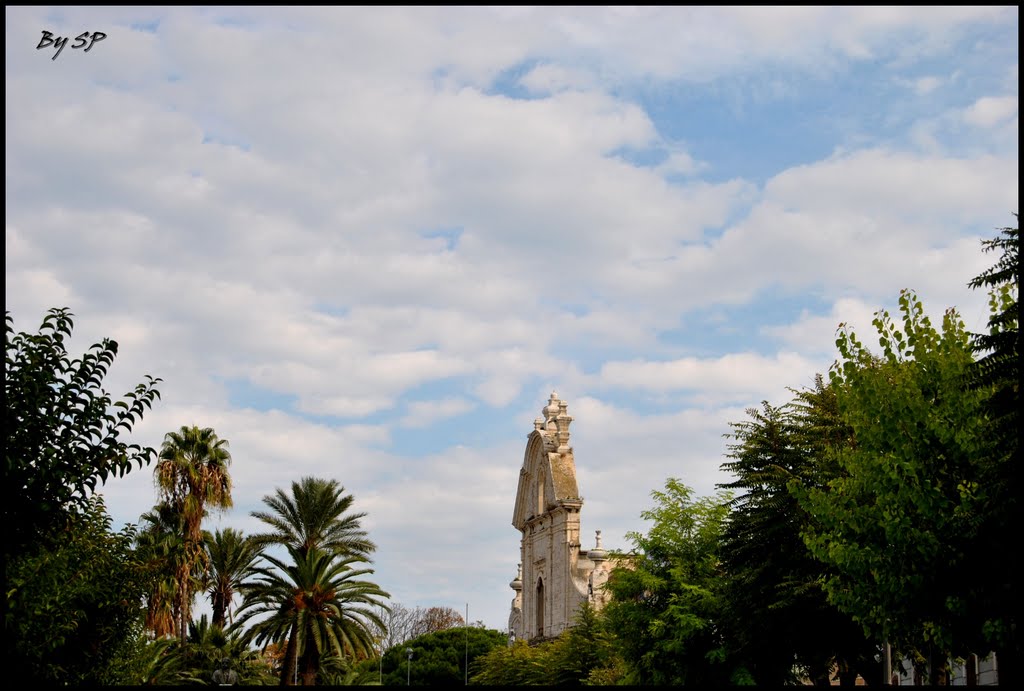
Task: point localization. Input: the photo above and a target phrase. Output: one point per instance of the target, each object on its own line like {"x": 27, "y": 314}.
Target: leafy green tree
{"x": 192, "y": 474}
{"x": 518, "y": 664}
{"x": 316, "y": 601}
{"x": 666, "y": 610}
{"x": 63, "y": 432}
{"x": 316, "y": 515}
{"x": 73, "y": 608}
{"x": 439, "y": 658}
{"x": 893, "y": 523}
{"x": 780, "y": 622}
{"x": 997, "y": 369}
{"x": 582, "y": 655}
{"x": 232, "y": 558}
{"x": 769, "y": 569}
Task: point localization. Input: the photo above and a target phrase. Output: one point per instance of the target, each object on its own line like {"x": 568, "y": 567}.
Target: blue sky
{"x": 368, "y": 243}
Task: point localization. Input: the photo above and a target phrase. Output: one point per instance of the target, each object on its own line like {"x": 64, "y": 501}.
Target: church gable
{"x": 548, "y": 475}
{"x": 556, "y": 574}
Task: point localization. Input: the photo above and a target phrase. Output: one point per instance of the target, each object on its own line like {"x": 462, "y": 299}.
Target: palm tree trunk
{"x": 184, "y": 574}
{"x": 288, "y": 668}
{"x": 310, "y": 665}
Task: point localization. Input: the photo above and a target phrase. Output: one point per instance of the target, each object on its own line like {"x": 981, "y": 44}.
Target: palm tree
{"x": 232, "y": 558}
{"x": 314, "y": 516}
{"x": 318, "y": 603}
{"x": 159, "y": 545}
{"x": 192, "y": 474}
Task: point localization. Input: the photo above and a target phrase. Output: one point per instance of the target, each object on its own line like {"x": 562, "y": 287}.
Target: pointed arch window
{"x": 540, "y": 606}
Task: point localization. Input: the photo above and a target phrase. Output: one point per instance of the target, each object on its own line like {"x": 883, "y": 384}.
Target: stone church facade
{"x": 556, "y": 573}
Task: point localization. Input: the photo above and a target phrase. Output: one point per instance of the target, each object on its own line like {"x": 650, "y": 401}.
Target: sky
{"x": 366, "y": 244}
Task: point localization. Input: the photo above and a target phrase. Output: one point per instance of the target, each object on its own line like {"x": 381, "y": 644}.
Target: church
{"x": 557, "y": 574}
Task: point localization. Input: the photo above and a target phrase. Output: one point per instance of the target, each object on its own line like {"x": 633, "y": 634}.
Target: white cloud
{"x": 991, "y": 110}
{"x": 548, "y": 79}
{"x": 747, "y": 376}
{"x": 679, "y": 163}
{"x": 925, "y": 85}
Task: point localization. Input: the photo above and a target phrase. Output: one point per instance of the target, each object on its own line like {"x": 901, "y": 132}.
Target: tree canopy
{"x": 64, "y": 433}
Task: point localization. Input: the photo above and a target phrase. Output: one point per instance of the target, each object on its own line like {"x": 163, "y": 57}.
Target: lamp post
{"x": 408, "y": 667}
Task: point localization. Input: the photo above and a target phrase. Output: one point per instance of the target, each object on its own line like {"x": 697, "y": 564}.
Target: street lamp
{"x": 408, "y": 667}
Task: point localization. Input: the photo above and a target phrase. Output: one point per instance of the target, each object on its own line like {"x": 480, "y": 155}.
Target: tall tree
{"x": 64, "y": 434}
{"x": 159, "y": 545}
{"x": 64, "y": 438}
{"x": 666, "y": 609}
{"x": 315, "y": 519}
{"x": 778, "y": 608}
{"x": 318, "y": 602}
{"x": 998, "y": 369}
{"x": 316, "y": 515}
{"x": 894, "y": 522}
{"x": 192, "y": 474}
{"x": 232, "y": 558}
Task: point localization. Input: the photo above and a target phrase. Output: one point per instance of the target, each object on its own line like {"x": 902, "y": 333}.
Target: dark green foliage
{"x": 231, "y": 558}
{"x": 208, "y": 644}
{"x": 997, "y": 592}
{"x": 770, "y": 572}
{"x": 316, "y": 514}
{"x": 74, "y": 606}
{"x": 317, "y": 602}
{"x": 63, "y": 432}
{"x": 439, "y": 658}
{"x": 314, "y": 601}
{"x": 777, "y": 608}
{"x": 160, "y": 546}
{"x": 73, "y": 592}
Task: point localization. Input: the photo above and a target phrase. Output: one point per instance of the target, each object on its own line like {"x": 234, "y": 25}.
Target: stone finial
{"x": 538, "y": 423}
{"x": 551, "y": 409}
{"x": 562, "y": 424}
{"x": 517, "y": 582}
{"x": 597, "y": 554}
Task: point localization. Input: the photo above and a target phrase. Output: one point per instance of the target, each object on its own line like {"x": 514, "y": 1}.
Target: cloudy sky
{"x": 367, "y": 243}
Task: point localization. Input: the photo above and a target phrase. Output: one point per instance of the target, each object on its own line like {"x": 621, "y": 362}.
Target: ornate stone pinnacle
{"x": 562, "y": 424}
{"x": 551, "y": 409}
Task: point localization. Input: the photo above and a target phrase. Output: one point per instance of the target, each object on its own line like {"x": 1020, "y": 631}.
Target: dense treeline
{"x": 867, "y": 515}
